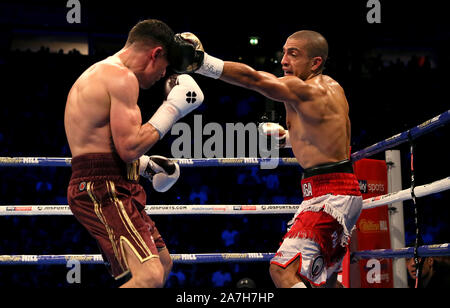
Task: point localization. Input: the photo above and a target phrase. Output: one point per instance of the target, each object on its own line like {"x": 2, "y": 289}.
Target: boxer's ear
{"x": 156, "y": 52}
{"x": 316, "y": 63}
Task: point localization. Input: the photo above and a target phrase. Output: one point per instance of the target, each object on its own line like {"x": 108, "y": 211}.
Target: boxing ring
{"x": 411, "y": 193}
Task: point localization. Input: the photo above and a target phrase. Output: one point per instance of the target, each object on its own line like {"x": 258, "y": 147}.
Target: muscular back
{"x": 319, "y": 126}
{"x": 88, "y": 107}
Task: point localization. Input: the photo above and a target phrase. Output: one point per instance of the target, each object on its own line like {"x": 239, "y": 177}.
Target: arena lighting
{"x": 253, "y": 40}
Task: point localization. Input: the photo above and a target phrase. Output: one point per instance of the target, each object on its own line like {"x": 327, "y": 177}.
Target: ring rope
{"x": 183, "y": 162}
{"x": 417, "y": 216}
{"x": 227, "y": 209}
{"x": 391, "y": 142}
{"x": 406, "y": 136}
{"x": 98, "y": 259}
{"x": 402, "y": 195}
{"x": 408, "y": 252}
{"x": 172, "y": 209}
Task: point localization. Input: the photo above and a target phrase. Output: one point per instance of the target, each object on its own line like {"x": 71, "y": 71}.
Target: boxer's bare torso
{"x": 316, "y": 112}
{"x": 316, "y": 106}
{"x": 102, "y": 114}
{"x": 319, "y": 127}
{"x": 87, "y": 115}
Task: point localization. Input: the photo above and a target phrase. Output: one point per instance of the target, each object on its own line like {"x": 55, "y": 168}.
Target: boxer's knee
{"x": 166, "y": 262}
{"x": 151, "y": 276}
{"x": 285, "y": 277}
{"x": 278, "y": 275}
{"x": 168, "y": 268}
{"x": 147, "y": 274}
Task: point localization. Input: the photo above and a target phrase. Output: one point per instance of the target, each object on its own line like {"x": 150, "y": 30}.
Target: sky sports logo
{"x": 370, "y": 188}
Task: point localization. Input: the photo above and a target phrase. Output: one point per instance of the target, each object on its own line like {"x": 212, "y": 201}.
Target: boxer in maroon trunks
{"x": 108, "y": 141}
{"x": 106, "y": 198}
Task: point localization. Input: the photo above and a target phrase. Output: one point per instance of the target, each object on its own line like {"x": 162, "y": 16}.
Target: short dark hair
{"x": 151, "y": 32}
{"x": 316, "y": 44}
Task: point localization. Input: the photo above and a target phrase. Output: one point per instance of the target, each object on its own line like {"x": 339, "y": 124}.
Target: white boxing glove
{"x": 161, "y": 171}
{"x": 274, "y": 130}
{"x": 184, "y": 97}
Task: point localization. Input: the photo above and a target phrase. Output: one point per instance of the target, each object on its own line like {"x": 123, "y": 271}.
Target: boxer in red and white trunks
{"x": 319, "y": 134}
{"x": 321, "y": 229}
{"x": 107, "y": 139}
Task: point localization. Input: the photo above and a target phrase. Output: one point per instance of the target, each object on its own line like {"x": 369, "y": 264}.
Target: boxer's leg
{"x": 164, "y": 255}
{"x": 166, "y": 261}
{"x": 287, "y": 277}
{"x": 133, "y": 235}
{"x": 147, "y": 274}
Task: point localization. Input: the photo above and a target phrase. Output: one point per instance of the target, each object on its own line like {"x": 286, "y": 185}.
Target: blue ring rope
{"x": 97, "y": 259}
{"x": 388, "y": 143}
{"x": 423, "y": 251}
{"x": 408, "y": 252}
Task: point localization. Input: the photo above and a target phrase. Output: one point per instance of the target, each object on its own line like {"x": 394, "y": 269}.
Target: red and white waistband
{"x": 331, "y": 183}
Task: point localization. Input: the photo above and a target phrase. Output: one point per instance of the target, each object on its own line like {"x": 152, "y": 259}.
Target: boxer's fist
{"x": 274, "y": 130}
{"x": 161, "y": 171}
{"x": 187, "y": 53}
{"x": 184, "y": 97}
{"x": 187, "y": 56}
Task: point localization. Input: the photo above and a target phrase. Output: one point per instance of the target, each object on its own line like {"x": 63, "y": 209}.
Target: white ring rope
{"x": 227, "y": 209}
{"x": 402, "y": 195}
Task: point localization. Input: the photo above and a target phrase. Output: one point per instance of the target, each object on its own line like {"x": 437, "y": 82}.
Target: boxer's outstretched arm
{"x": 131, "y": 138}
{"x": 284, "y": 89}
{"x": 189, "y": 49}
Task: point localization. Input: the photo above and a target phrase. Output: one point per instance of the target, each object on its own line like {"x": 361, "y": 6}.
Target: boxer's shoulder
{"x": 116, "y": 76}
{"x": 115, "y": 68}
{"x": 303, "y": 90}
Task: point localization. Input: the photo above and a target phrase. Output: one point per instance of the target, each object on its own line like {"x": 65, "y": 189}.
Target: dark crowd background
{"x": 395, "y": 75}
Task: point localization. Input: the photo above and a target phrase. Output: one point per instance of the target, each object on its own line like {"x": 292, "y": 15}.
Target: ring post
{"x": 396, "y": 220}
